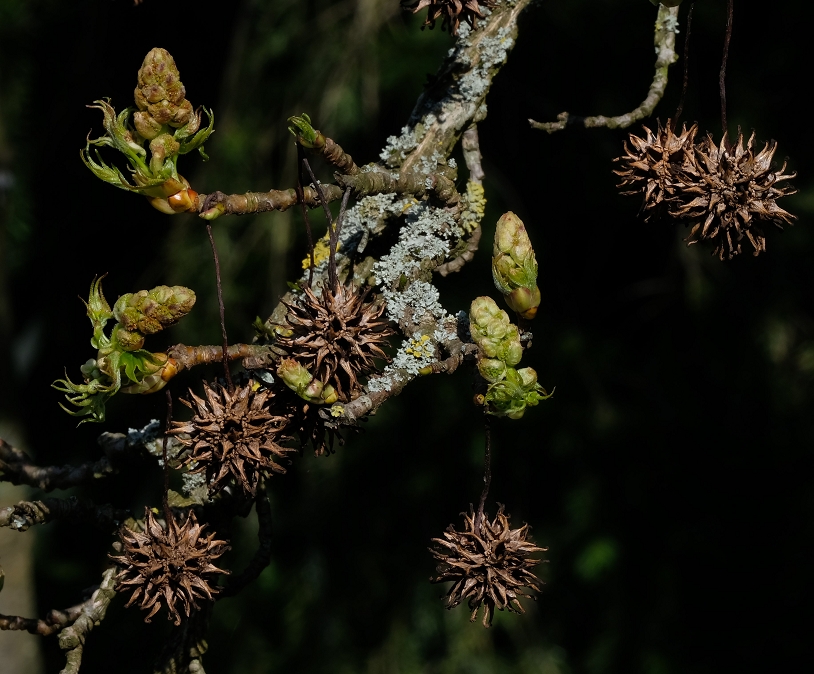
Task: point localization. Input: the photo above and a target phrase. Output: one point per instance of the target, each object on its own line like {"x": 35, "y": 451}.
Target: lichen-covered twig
{"x": 190, "y": 356}
{"x": 28, "y": 513}
{"x": 472, "y": 156}
{"x": 665, "y": 38}
{"x": 52, "y": 623}
{"x": 262, "y": 557}
{"x": 17, "y": 467}
{"x": 72, "y": 638}
{"x": 415, "y": 184}
{"x": 211, "y": 206}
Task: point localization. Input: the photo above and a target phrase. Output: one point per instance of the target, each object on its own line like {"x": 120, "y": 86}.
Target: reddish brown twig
{"x": 221, "y": 309}
{"x": 487, "y": 473}
{"x": 680, "y": 107}
{"x": 320, "y": 198}
{"x": 722, "y": 75}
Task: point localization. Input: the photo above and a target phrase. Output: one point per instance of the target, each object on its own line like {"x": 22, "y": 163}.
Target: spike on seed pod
{"x": 451, "y": 12}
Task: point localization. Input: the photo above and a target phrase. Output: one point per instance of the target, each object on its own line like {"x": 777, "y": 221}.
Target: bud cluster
{"x": 166, "y": 124}
{"x": 121, "y": 363}
{"x": 510, "y": 390}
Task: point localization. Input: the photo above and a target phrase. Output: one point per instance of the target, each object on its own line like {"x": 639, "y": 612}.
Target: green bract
{"x": 518, "y": 390}
{"x": 121, "y": 363}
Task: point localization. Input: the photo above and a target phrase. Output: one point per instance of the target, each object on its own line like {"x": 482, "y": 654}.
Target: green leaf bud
{"x": 493, "y": 332}
{"x": 306, "y": 135}
{"x": 302, "y": 382}
{"x": 127, "y": 340}
{"x": 160, "y": 92}
{"x": 514, "y": 266}
{"x": 492, "y": 369}
{"x": 150, "y": 311}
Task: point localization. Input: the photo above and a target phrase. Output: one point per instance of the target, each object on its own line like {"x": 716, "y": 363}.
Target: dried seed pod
{"x": 233, "y": 436}
{"x": 731, "y": 191}
{"x": 652, "y": 166}
{"x": 489, "y": 567}
{"x": 169, "y": 567}
{"x": 451, "y": 12}
{"x": 337, "y": 335}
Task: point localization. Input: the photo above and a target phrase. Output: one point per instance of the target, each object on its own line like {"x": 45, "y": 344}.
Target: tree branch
{"x": 72, "y": 638}
{"x": 189, "y": 356}
{"x": 53, "y": 622}
{"x": 665, "y": 38}
{"x": 17, "y": 467}
{"x": 28, "y": 513}
{"x": 211, "y": 206}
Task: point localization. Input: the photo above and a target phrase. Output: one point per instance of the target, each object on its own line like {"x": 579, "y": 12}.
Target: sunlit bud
{"x": 514, "y": 266}
{"x": 302, "y": 382}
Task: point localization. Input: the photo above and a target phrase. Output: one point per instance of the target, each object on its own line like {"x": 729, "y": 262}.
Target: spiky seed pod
{"x": 451, "y": 12}
{"x": 730, "y": 192}
{"x": 233, "y": 436}
{"x": 337, "y": 335}
{"x": 160, "y": 95}
{"x": 651, "y": 166}
{"x": 169, "y": 567}
{"x": 489, "y": 567}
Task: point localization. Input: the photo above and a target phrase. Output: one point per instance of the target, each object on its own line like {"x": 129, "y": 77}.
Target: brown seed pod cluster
{"x": 724, "y": 192}
{"x": 233, "y": 435}
{"x": 338, "y": 335}
{"x": 488, "y": 568}
{"x": 451, "y": 12}
{"x": 170, "y": 567}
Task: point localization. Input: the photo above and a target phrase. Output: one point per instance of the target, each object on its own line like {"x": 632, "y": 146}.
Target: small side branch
{"x": 351, "y": 412}
{"x": 17, "y": 467}
{"x": 53, "y": 622}
{"x": 415, "y": 184}
{"x": 262, "y": 557}
{"x": 665, "y": 38}
{"x": 28, "y": 513}
{"x": 211, "y": 206}
{"x": 468, "y": 255}
{"x": 72, "y": 639}
{"x": 337, "y": 157}
{"x": 190, "y": 356}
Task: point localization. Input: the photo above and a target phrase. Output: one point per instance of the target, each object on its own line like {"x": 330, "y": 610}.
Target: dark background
{"x": 670, "y": 474}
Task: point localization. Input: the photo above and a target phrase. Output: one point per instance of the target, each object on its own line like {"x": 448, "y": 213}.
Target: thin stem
{"x": 680, "y": 108}
{"x": 221, "y": 309}
{"x": 333, "y": 240}
{"x": 487, "y": 473}
{"x": 301, "y": 199}
{"x": 332, "y": 278}
{"x": 165, "y": 497}
{"x": 722, "y": 76}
